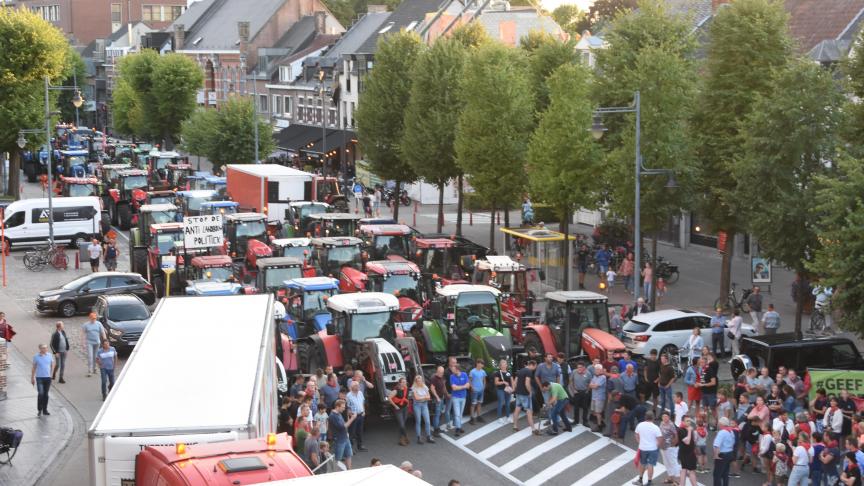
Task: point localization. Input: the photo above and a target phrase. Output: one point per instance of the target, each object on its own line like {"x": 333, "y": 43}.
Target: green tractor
{"x": 463, "y": 321}
{"x": 140, "y": 236}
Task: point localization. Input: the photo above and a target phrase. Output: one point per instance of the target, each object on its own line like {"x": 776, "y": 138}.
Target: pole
{"x": 637, "y": 266}
{"x": 48, "y": 164}
{"x": 255, "y": 108}
{"x": 75, "y": 83}
{"x": 3, "y": 241}
{"x": 323, "y": 129}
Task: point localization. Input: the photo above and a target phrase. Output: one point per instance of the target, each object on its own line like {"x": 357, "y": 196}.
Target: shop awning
{"x": 303, "y": 138}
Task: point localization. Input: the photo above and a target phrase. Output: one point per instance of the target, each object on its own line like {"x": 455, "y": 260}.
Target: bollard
{"x": 498, "y": 214}
{"x": 470, "y": 218}
{"x": 77, "y": 258}
{"x": 415, "y": 219}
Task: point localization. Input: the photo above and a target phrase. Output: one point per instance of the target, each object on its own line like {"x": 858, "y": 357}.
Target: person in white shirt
{"x": 832, "y": 422}
{"x": 801, "y": 458}
{"x": 681, "y": 408}
{"x": 782, "y": 422}
{"x": 649, "y": 437}
{"x": 734, "y": 328}
{"x": 694, "y": 346}
{"x": 94, "y": 251}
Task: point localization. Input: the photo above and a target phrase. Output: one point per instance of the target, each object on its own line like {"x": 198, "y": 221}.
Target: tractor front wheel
{"x": 124, "y": 216}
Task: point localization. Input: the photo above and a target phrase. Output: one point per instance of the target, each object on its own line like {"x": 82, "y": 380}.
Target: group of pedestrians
{"x": 107, "y": 251}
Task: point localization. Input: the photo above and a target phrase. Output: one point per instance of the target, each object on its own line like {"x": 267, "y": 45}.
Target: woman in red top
{"x": 399, "y": 400}
{"x": 760, "y": 411}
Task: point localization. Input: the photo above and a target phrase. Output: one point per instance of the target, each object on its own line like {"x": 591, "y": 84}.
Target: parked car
{"x": 796, "y": 354}
{"x": 124, "y": 318}
{"x": 669, "y": 330}
{"x": 79, "y": 295}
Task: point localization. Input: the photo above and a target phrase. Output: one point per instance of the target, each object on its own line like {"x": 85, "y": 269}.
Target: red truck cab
{"x": 250, "y": 461}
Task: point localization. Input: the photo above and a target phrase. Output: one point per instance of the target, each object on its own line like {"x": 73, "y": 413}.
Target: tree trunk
{"x": 14, "y": 187}
{"x": 653, "y": 297}
{"x": 459, "y": 206}
{"x": 440, "y": 207}
{"x": 565, "y": 228}
{"x": 506, "y": 225}
{"x": 396, "y": 201}
{"x": 492, "y": 228}
{"x": 799, "y": 303}
{"x": 726, "y": 266}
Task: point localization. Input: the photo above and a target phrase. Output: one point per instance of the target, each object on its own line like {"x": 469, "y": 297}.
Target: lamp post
{"x": 597, "y": 130}
{"x": 321, "y": 93}
{"x": 75, "y": 84}
{"x": 77, "y": 101}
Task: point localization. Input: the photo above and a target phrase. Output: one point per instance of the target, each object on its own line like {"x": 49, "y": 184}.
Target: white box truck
{"x": 203, "y": 371}
{"x": 268, "y": 187}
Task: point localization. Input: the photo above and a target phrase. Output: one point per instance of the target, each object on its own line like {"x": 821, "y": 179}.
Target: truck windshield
{"x": 81, "y": 190}
{"x": 391, "y": 245}
{"x": 475, "y": 309}
{"x": 310, "y": 209}
{"x": 365, "y": 326}
{"x": 275, "y": 276}
{"x": 162, "y": 162}
{"x": 216, "y": 274}
{"x": 343, "y": 255}
{"x": 74, "y": 160}
{"x": 405, "y": 285}
{"x": 163, "y": 216}
{"x": 165, "y": 241}
{"x": 134, "y": 182}
{"x": 301, "y": 252}
{"x": 250, "y": 229}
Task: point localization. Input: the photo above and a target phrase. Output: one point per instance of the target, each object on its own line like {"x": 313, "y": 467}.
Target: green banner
{"x": 835, "y": 380}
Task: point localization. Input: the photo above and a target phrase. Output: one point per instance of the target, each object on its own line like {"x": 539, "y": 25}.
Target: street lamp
{"x": 597, "y": 129}
{"x": 77, "y": 101}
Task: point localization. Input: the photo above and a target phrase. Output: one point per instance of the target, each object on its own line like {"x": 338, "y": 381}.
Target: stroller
{"x": 10, "y": 439}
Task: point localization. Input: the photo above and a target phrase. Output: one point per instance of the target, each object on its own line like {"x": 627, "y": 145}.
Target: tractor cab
{"x": 333, "y": 224}
{"x": 299, "y": 248}
{"x": 575, "y": 322}
{"x": 109, "y": 172}
{"x": 125, "y": 194}
{"x": 306, "y": 305}
{"x": 510, "y": 277}
{"x": 327, "y": 190}
{"x": 161, "y": 197}
{"x": 149, "y": 214}
{"x": 241, "y": 230}
{"x": 75, "y": 163}
{"x": 165, "y": 239}
{"x": 466, "y": 322}
{"x": 219, "y": 207}
{"x": 123, "y": 154}
{"x": 157, "y": 166}
{"x": 190, "y": 201}
{"x": 384, "y": 240}
{"x": 196, "y": 181}
{"x": 335, "y": 255}
{"x": 439, "y": 256}
{"x": 401, "y": 279}
{"x": 212, "y": 275}
{"x": 216, "y": 183}
{"x": 297, "y": 216}
{"x": 177, "y": 175}
{"x": 274, "y": 271}
{"x": 80, "y": 186}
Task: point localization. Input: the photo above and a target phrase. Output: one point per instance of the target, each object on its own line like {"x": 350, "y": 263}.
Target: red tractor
{"x": 385, "y": 240}
{"x": 157, "y": 167}
{"x": 299, "y": 248}
{"x": 165, "y": 239}
{"x": 576, "y": 323}
{"x": 340, "y": 257}
{"x": 439, "y": 256}
{"x": 274, "y": 271}
{"x": 126, "y": 194}
{"x": 78, "y": 187}
{"x": 402, "y": 279}
{"x": 176, "y": 175}
{"x": 511, "y": 278}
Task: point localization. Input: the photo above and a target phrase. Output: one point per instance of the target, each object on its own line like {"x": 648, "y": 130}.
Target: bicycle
{"x": 10, "y": 439}
{"x": 54, "y": 255}
{"x": 731, "y": 302}
{"x": 818, "y": 325}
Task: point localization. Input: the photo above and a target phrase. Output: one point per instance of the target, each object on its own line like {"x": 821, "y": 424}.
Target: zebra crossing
{"x": 578, "y": 458}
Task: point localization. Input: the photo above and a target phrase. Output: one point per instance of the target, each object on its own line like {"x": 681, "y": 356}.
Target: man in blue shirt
{"x": 718, "y": 329}
{"x": 724, "y": 444}
{"x": 338, "y": 427}
{"x": 477, "y": 377}
{"x": 625, "y": 360}
{"x": 40, "y": 376}
{"x": 105, "y": 358}
{"x": 602, "y": 258}
{"x": 459, "y": 384}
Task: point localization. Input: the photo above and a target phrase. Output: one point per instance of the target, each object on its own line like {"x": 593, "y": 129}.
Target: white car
{"x": 667, "y": 330}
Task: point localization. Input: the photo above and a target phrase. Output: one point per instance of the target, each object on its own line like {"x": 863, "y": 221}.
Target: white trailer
{"x": 203, "y": 371}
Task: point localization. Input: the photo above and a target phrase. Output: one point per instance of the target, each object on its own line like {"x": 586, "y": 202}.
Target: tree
{"x": 30, "y": 50}
{"x": 788, "y": 138}
{"x": 161, "y": 90}
{"x": 126, "y": 110}
{"x": 748, "y": 44}
{"x": 381, "y": 112}
{"x": 432, "y": 114}
{"x": 564, "y": 163}
{"x": 649, "y": 51}
{"x": 493, "y": 130}
{"x": 545, "y": 53}
{"x": 573, "y": 20}
{"x": 227, "y": 136}
{"x": 602, "y": 12}
{"x": 840, "y": 260}
{"x": 853, "y": 71}
{"x": 75, "y": 71}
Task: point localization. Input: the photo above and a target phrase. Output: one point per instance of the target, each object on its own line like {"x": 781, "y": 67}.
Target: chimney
{"x": 179, "y": 36}
{"x": 243, "y": 34}
{"x": 320, "y": 22}
{"x": 715, "y": 4}
{"x": 376, "y": 8}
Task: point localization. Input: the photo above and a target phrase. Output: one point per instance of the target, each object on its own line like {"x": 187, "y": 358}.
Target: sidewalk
{"x": 44, "y": 437}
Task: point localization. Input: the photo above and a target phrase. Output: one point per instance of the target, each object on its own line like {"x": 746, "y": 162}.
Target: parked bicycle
{"x": 55, "y": 255}
{"x": 667, "y": 271}
{"x": 731, "y": 302}
{"x": 10, "y": 439}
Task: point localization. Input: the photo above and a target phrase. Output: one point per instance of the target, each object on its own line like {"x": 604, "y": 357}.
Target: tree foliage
{"x": 432, "y": 114}
{"x": 470, "y": 35}
{"x": 573, "y": 20}
{"x": 545, "y": 53}
{"x": 602, "y": 12}
{"x": 75, "y": 70}
{"x": 853, "y": 71}
{"x": 493, "y": 131}
{"x": 788, "y": 141}
{"x": 380, "y": 114}
{"x": 227, "y": 135}
{"x": 160, "y": 91}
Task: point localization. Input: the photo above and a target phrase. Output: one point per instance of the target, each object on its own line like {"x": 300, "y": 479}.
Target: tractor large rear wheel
{"x": 124, "y": 216}
{"x": 310, "y": 357}
{"x": 138, "y": 261}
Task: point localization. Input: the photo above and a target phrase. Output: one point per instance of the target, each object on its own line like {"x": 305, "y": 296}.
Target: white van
{"x": 75, "y": 219}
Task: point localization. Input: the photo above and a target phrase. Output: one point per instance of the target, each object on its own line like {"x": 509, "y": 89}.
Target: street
{"x": 489, "y": 454}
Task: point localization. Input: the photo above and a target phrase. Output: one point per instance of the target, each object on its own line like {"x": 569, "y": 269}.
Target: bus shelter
{"x": 541, "y": 249}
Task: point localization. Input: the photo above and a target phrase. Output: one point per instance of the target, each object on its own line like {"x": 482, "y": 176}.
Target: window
{"x": 262, "y": 104}
{"x": 51, "y": 13}
{"x": 151, "y": 13}
{"x": 16, "y": 219}
{"x": 332, "y": 117}
{"x": 277, "y": 104}
{"x": 844, "y": 356}
{"x": 115, "y": 13}
{"x": 288, "y": 105}
{"x": 284, "y": 74}
{"x": 174, "y": 11}
{"x": 97, "y": 283}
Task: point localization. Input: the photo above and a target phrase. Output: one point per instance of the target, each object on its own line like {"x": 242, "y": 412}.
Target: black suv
{"x": 783, "y": 349}
{"x": 79, "y": 295}
{"x": 124, "y": 318}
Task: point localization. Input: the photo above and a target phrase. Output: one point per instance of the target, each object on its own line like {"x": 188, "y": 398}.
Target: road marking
{"x": 541, "y": 449}
{"x": 483, "y": 431}
{"x": 484, "y": 461}
{"x": 513, "y": 439}
{"x": 569, "y": 461}
{"x": 606, "y": 469}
